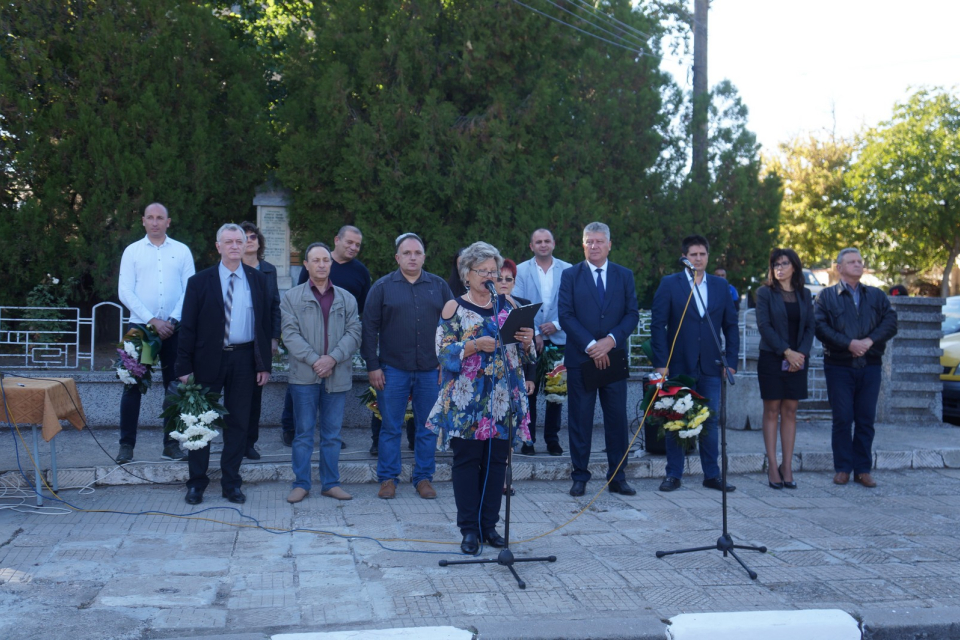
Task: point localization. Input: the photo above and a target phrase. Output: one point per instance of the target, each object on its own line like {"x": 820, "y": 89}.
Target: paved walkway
{"x": 889, "y": 556}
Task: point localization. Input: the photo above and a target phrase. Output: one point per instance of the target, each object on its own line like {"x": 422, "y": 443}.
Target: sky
{"x": 816, "y": 66}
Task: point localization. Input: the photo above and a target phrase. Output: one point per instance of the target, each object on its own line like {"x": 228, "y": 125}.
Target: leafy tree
{"x": 468, "y": 121}
{"x": 818, "y": 217}
{"x": 737, "y": 208}
{"x": 107, "y": 106}
{"x": 906, "y": 184}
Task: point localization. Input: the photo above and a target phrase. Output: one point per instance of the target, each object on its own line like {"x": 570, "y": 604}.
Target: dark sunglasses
{"x": 504, "y": 279}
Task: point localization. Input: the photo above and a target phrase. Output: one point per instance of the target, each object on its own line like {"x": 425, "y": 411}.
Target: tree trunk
{"x": 948, "y": 269}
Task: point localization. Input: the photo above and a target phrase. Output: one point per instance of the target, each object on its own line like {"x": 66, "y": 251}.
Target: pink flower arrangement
{"x": 131, "y": 365}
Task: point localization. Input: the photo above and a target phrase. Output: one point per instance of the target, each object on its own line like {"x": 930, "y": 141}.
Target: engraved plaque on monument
{"x": 272, "y": 220}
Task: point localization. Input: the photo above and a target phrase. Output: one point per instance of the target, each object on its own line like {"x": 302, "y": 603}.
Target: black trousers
{"x": 551, "y": 421}
{"x": 236, "y": 379}
{"x": 256, "y": 404}
{"x": 478, "y": 472}
{"x": 130, "y": 400}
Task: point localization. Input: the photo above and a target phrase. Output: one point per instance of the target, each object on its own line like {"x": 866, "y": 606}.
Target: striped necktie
{"x": 228, "y": 309}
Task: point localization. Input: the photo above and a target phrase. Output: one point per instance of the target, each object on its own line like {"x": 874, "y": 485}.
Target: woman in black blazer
{"x": 786, "y": 324}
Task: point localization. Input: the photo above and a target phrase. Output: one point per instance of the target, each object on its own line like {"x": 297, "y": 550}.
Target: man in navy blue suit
{"x": 598, "y": 312}
{"x": 695, "y": 353}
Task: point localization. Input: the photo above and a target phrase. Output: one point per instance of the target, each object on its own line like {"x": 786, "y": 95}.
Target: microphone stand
{"x": 505, "y": 557}
{"x": 725, "y": 542}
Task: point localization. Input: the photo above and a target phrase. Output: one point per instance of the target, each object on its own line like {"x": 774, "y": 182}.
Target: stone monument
{"x": 272, "y": 203}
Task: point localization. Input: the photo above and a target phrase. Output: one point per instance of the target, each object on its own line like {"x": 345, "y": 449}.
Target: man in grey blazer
{"x": 538, "y": 280}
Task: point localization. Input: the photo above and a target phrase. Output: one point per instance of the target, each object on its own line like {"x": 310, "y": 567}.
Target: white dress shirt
{"x": 702, "y": 288}
{"x": 546, "y": 285}
{"x": 153, "y": 279}
{"x": 241, "y": 315}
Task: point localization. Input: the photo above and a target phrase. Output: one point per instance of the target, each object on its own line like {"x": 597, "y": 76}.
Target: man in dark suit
{"x": 225, "y": 344}
{"x": 695, "y": 352}
{"x": 598, "y": 312}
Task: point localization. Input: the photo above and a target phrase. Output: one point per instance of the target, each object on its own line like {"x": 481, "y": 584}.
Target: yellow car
{"x": 950, "y": 360}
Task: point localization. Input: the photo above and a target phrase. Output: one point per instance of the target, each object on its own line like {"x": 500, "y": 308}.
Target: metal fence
{"x": 61, "y": 338}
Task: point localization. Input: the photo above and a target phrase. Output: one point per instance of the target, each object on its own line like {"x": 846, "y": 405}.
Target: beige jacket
{"x": 303, "y": 331}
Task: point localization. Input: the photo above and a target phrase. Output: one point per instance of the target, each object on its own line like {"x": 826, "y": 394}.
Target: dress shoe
{"x": 775, "y": 485}
{"x": 426, "y": 490}
{"x": 714, "y": 483}
{"x": 170, "y": 452}
{"x": 670, "y": 484}
{"x": 288, "y": 438}
{"x": 786, "y": 485}
{"x": 388, "y": 490}
{"x": 578, "y": 488}
{"x": 470, "y": 544}
{"x": 842, "y": 477}
{"x": 554, "y": 449}
{"x": 494, "y": 539}
{"x": 374, "y": 451}
{"x": 194, "y": 496}
{"x": 622, "y": 488}
{"x": 528, "y": 450}
{"x": 338, "y": 493}
{"x": 234, "y": 495}
{"x": 865, "y": 479}
{"x": 125, "y": 454}
{"x": 252, "y": 454}
{"x": 297, "y": 494}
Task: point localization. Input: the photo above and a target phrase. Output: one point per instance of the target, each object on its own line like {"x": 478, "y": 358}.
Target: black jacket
{"x": 839, "y": 322}
{"x": 774, "y": 326}
{"x": 273, "y": 293}
{"x": 200, "y": 345}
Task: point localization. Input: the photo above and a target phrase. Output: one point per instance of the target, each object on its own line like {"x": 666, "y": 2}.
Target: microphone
{"x": 687, "y": 263}
{"x": 490, "y": 287}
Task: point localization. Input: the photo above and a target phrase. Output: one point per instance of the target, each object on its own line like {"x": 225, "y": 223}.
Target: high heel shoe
{"x": 775, "y": 485}
{"x": 786, "y": 485}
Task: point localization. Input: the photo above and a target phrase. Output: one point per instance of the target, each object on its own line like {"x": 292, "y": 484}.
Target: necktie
{"x": 600, "y": 289}
{"x": 228, "y": 309}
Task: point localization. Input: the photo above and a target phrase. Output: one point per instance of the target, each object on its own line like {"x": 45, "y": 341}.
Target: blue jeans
{"x": 853, "y": 394}
{"x": 307, "y": 398}
{"x": 399, "y": 385}
{"x": 709, "y": 388}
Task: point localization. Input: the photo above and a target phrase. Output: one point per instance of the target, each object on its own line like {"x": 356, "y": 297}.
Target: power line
{"x": 567, "y": 24}
{"x": 611, "y": 19}
{"x": 579, "y": 17}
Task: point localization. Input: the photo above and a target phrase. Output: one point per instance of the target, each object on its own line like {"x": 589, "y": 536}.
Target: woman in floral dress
{"x": 479, "y": 396}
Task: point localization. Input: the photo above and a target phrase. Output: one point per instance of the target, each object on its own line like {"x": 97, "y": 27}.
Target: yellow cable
{"x": 339, "y": 535}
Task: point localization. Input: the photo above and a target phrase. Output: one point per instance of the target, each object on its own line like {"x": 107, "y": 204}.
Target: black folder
{"x": 519, "y": 318}
{"x": 619, "y": 369}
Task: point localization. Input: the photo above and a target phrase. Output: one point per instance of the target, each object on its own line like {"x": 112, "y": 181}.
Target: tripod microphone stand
{"x": 725, "y": 542}
{"x": 505, "y": 557}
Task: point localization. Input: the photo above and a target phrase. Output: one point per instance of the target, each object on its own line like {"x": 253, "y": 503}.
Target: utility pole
{"x": 701, "y": 92}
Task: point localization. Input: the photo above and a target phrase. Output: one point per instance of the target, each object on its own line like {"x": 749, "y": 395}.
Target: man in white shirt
{"x": 538, "y": 280}
{"x": 153, "y": 278}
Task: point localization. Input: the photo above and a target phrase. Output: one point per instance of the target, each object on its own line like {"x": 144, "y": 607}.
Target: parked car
{"x": 810, "y": 282}
{"x": 950, "y": 343}
{"x": 950, "y": 360}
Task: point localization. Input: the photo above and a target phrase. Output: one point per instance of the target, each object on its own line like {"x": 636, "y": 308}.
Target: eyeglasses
{"x": 504, "y": 279}
{"x": 781, "y": 265}
{"x": 485, "y": 274}
{"x": 251, "y": 237}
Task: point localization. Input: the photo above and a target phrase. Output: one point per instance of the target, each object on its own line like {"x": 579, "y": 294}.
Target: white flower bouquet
{"x": 196, "y": 411}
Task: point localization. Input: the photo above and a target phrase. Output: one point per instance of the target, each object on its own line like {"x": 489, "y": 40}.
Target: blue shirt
{"x": 241, "y": 316}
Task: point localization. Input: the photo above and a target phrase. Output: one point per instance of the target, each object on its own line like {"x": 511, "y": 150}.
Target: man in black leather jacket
{"x": 854, "y": 323}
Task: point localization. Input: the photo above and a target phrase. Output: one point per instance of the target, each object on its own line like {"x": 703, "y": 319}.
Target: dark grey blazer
{"x": 772, "y": 321}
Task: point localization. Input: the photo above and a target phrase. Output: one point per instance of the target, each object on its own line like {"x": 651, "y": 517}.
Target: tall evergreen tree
{"x": 469, "y": 121}
{"x": 107, "y": 106}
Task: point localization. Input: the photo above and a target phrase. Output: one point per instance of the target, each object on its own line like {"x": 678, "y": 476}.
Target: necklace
{"x": 475, "y": 303}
